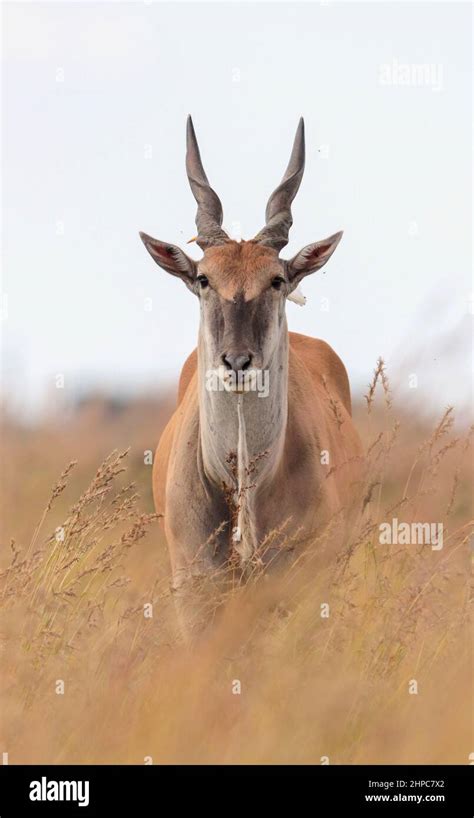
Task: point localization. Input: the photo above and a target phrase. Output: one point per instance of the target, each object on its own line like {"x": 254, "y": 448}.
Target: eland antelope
{"x": 237, "y": 460}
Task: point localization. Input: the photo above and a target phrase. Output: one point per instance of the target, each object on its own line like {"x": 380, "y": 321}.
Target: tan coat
{"x": 320, "y": 440}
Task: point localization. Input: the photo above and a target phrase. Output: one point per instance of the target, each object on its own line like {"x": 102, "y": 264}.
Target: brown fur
{"x": 214, "y": 499}
{"x": 246, "y": 267}
{"x": 319, "y": 419}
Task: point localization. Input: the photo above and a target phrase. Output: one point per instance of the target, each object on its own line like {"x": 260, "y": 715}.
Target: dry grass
{"x": 76, "y": 603}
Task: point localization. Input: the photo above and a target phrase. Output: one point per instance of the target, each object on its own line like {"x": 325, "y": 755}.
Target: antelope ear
{"x": 171, "y": 259}
{"x": 312, "y": 258}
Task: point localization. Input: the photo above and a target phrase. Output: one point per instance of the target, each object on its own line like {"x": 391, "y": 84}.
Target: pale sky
{"x": 95, "y": 98}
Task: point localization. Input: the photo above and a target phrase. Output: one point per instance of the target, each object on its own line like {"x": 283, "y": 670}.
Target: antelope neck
{"x": 226, "y": 417}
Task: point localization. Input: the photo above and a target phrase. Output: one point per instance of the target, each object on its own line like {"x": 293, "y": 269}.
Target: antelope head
{"x": 242, "y": 286}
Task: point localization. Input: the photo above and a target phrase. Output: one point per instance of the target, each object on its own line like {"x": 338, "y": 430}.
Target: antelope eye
{"x": 203, "y": 282}
{"x": 277, "y": 283}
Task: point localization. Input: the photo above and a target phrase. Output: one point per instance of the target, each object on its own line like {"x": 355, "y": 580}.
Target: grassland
{"x": 86, "y": 601}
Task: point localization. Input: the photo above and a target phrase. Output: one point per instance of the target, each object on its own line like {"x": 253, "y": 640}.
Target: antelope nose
{"x": 237, "y": 363}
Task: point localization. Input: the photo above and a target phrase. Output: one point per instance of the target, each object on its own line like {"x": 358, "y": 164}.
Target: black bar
{"x": 142, "y": 790}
